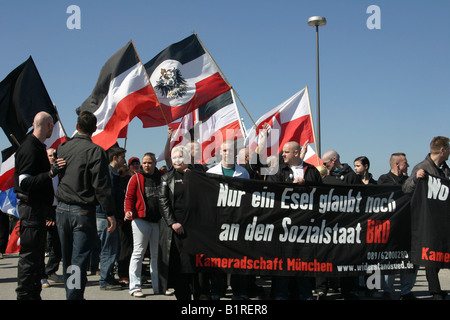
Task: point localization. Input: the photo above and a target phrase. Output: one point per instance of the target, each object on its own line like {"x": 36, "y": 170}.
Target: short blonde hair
{"x": 181, "y": 149}
{"x": 437, "y": 143}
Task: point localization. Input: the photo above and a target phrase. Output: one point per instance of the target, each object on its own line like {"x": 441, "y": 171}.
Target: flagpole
{"x": 244, "y": 131}
{"x": 60, "y": 123}
{"x": 148, "y": 78}
{"x": 312, "y": 124}
{"x": 225, "y": 78}
{"x": 15, "y": 140}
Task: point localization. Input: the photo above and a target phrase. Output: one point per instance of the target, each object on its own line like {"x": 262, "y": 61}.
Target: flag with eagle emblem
{"x": 184, "y": 78}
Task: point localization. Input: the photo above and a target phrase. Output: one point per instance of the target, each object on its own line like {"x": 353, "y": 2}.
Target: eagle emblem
{"x": 171, "y": 83}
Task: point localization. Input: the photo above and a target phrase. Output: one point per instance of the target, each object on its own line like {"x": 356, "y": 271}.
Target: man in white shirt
{"x": 229, "y": 167}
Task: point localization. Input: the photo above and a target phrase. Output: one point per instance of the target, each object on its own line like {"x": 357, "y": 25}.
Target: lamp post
{"x": 317, "y": 21}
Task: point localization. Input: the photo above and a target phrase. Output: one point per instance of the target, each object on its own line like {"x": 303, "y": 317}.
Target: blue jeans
{"x": 77, "y": 233}
{"x": 407, "y": 282}
{"x": 109, "y": 250}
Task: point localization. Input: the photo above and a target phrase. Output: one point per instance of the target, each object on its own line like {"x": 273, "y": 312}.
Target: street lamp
{"x": 317, "y": 21}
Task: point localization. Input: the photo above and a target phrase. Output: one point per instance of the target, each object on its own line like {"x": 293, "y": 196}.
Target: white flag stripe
{"x": 218, "y": 120}
{"x": 8, "y": 164}
{"x": 57, "y": 134}
{"x": 120, "y": 87}
{"x": 290, "y": 113}
{"x": 291, "y": 110}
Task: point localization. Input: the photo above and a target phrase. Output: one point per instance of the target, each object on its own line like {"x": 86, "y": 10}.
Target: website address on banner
{"x": 378, "y": 266}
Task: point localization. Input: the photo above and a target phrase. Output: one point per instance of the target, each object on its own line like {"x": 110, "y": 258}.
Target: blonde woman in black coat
{"x": 171, "y": 200}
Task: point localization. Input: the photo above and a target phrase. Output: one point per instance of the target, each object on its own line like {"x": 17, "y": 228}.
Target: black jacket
{"x": 31, "y": 161}
{"x": 86, "y": 179}
{"x": 342, "y": 177}
{"x": 285, "y": 174}
{"x": 390, "y": 178}
{"x": 430, "y": 168}
{"x": 166, "y": 204}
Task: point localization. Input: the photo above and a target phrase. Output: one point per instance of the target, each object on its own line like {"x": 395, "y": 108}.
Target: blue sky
{"x": 382, "y": 91}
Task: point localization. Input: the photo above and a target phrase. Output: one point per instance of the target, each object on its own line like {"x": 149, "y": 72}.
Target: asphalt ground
{"x": 8, "y": 284}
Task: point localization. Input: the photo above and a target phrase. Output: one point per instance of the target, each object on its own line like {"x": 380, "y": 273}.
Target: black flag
{"x": 22, "y": 96}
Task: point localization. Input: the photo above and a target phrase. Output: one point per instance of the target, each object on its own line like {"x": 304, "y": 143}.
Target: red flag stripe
{"x": 206, "y": 90}
{"x": 14, "y": 240}
{"x": 125, "y": 110}
{"x": 7, "y": 180}
{"x": 211, "y": 146}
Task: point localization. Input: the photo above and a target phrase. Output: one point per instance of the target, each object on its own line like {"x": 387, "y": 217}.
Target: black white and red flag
{"x": 185, "y": 78}
{"x": 210, "y": 125}
{"x": 122, "y": 92}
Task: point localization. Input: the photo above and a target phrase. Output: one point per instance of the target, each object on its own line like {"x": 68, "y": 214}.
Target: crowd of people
{"x": 110, "y": 214}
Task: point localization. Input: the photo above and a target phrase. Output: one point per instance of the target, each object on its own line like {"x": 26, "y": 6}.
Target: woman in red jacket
{"x": 142, "y": 207}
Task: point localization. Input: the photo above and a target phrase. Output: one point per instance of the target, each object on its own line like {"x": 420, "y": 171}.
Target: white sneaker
{"x": 137, "y": 294}
{"x": 44, "y": 283}
{"x": 169, "y": 292}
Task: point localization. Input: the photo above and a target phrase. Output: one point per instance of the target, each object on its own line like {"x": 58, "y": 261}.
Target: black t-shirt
{"x": 151, "y": 185}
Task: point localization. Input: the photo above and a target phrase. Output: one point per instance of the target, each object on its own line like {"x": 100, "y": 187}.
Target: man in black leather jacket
{"x": 84, "y": 184}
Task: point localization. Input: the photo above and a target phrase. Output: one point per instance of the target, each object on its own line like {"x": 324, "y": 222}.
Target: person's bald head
{"x": 291, "y": 153}
{"x": 43, "y": 125}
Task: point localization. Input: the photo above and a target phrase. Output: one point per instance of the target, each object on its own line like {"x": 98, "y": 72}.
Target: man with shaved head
{"x": 339, "y": 174}
{"x": 33, "y": 187}
{"x": 294, "y": 170}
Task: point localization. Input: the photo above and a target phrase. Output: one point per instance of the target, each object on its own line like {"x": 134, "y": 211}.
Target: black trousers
{"x": 54, "y": 252}
{"x": 32, "y": 250}
{"x": 183, "y": 283}
{"x": 432, "y": 275}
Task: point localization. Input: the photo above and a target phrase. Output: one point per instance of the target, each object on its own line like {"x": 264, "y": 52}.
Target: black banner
{"x": 430, "y": 214}
{"x": 254, "y": 227}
